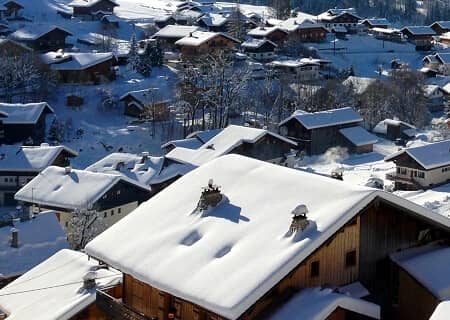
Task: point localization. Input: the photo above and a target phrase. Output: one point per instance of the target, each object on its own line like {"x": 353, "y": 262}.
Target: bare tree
{"x": 84, "y": 226}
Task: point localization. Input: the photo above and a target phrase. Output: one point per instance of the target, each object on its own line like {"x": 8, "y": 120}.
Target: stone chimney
{"x": 67, "y": 169}
{"x": 89, "y": 280}
{"x": 299, "y": 219}
{"x": 14, "y": 238}
{"x": 210, "y": 197}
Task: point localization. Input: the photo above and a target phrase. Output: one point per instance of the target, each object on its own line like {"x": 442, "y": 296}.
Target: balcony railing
{"x": 403, "y": 179}
{"x": 115, "y": 309}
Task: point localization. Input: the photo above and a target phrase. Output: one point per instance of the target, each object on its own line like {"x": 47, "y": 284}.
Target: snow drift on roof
{"x": 358, "y": 136}
{"x": 223, "y": 143}
{"x": 77, "y": 189}
{"x": 429, "y": 266}
{"x": 63, "y": 272}
{"x": 28, "y": 113}
{"x": 39, "y": 238}
{"x": 442, "y": 311}
{"x": 30, "y": 158}
{"x": 318, "y": 304}
{"x": 325, "y": 118}
{"x": 219, "y": 248}
{"x": 429, "y": 156}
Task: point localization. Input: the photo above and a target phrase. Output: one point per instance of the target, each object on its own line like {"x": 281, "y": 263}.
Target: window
{"x": 118, "y": 192}
{"x": 119, "y": 210}
{"x": 112, "y": 212}
{"x": 350, "y": 258}
{"x": 105, "y": 214}
{"x": 314, "y": 269}
{"x": 421, "y": 174}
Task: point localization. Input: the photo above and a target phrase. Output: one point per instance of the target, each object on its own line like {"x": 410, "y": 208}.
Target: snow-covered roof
{"x": 339, "y": 29}
{"x": 83, "y": 60}
{"x": 204, "y": 135}
{"x": 327, "y": 118}
{"x": 223, "y": 143}
{"x": 430, "y": 89}
{"x": 376, "y": 21}
{"x": 256, "y": 43}
{"x": 54, "y": 288}
{"x": 419, "y": 30}
{"x": 385, "y": 30}
{"x": 381, "y": 126}
{"x": 443, "y": 57}
{"x": 143, "y": 169}
{"x": 429, "y": 266}
{"x": 34, "y": 32}
{"x": 218, "y": 247}
{"x": 359, "y": 84}
{"x": 77, "y": 189}
{"x": 429, "y": 156}
{"x": 196, "y": 38}
{"x": 332, "y": 14}
{"x": 175, "y": 31}
{"x": 214, "y": 19}
{"x": 296, "y": 23}
{"x": 111, "y": 18}
{"x": 319, "y": 304}
{"x": 28, "y": 113}
{"x": 442, "y": 311}
{"x": 89, "y": 3}
{"x": 188, "y": 143}
{"x": 264, "y": 31}
{"x": 146, "y": 96}
{"x": 442, "y": 24}
{"x": 30, "y": 158}
{"x": 39, "y": 238}
{"x": 358, "y": 136}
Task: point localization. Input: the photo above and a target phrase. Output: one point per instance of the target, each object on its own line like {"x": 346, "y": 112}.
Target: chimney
{"x": 44, "y": 144}
{"x": 67, "y": 170}
{"x": 89, "y": 280}
{"x": 210, "y": 197}
{"x": 190, "y": 34}
{"x": 299, "y": 219}
{"x": 145, "y": 156}
{"x": 14, "y": 238}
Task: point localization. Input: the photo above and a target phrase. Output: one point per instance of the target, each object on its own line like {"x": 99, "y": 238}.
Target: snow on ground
{"x": 365, "y": 53}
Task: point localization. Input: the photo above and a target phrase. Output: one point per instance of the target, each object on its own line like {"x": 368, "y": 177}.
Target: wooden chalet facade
{"x": 22, "y": 122}
{"x": 421, "y": 167}
{"x": 334, "y": 18}
{"x": 259, "y": 49}
{"x": 275, "y": 34}
{"x": 42, "y": 39}
{"x": 143, "y": 104}
{"x": 421, "y": 36}
{"x": 199, "y": 44}
{"x": 440, "y": 27}
{"x": 93, "y": 9}
{"x": 308, "y": 32}
{"x": 171, "y": 33}
{"x": 12, "y": 9}
{"x": 318, "y": 139}
{"x": 357, "y": 251}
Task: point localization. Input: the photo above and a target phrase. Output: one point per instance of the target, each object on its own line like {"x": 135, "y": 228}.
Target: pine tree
{"x": 133, "y": 55}
{"x": 145, "y": 61}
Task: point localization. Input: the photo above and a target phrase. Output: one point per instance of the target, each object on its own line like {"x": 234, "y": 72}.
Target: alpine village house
{"x": 214, "y": 271}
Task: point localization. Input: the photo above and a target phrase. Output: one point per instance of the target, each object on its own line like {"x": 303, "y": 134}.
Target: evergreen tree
{"x": 133, "y": 55}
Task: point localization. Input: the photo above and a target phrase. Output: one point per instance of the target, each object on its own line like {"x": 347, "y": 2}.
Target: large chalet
{"x": 20, "y": 164}
{"x": 200, "y": 43}
{"x": 344, "y": 18}
{"x": 23, "y": 122}
{"x": 319, "y": 131}
{"x": 421, "y": 167}
{"x": 202, "y": 260}
{"x": 92, "y": 9}
{"x": 421, "y": 36}
{"x": 42, "y": 37}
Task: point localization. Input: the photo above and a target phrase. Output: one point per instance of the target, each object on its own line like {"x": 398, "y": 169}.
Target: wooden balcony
{"x": 115, "y": 309}
{"x": 406, "y": 181}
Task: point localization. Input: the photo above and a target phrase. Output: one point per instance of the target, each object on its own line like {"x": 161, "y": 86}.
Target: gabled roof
{"x": 381, "y": 126}
{"x": 430, "y": 89}
{"x": 264, "y": 31}
{"x": 223, "y": 143}
{"x": 28, "y": 113}
{"x": 196, "y": 38}
{"x": 54, "y": 288}
{"x": 443, "y": 57}
{"x": 142, "y": 169}
{"x": 15, "y": 158}
{"x": 214, "y": 19}
{"x": 6, "y": 2}
{"x": 34, "y": 32}
{"x": 214, "y": 260}
{"x": 39, "y": 238}
{"x": 77, "y": 189}
{"x": 327, "y": 118}
{"x": 332, "y": 14}
{"x": 376, "y": 21}
{"x": 319, "y": 303}
{"x": 82, "y": 61}
{"x": 175, "y": 31}
{"x": 442, "y": 24}
{"x": 257, "y": 43}
{"x": 429, "y": 266}
{"x": 429, "y": 156}
{"x": 145, "y": 97}
{"x": 205, "y": 135}
{"x": 419, "y": 30}
{"x": 194, "y": 140}
{"x": 90, "y": 3}
{"x": 358, "y": 136}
